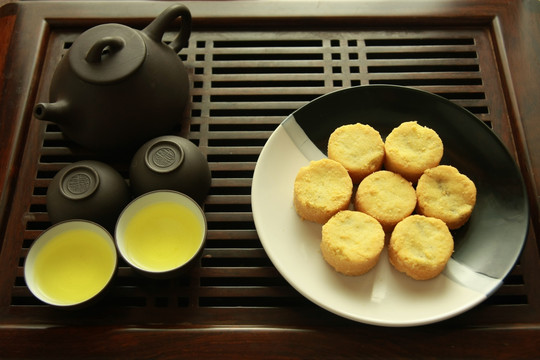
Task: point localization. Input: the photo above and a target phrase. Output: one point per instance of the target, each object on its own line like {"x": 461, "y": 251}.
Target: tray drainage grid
{"x": 243, "y": 85}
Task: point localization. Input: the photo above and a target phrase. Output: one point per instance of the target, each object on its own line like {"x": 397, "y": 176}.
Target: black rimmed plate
{"x": 486, "y": 248}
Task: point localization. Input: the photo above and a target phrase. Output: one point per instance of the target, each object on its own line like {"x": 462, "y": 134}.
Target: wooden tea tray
{"x": 252, "y": 63}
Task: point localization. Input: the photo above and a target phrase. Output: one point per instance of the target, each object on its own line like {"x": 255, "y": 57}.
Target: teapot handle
{"x": 156, "y": 28}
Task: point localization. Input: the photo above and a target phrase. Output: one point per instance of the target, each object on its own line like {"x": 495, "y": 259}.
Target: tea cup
{"x": 71, "y": 264}
{"x": 89, "y": 190}
{"x": 161, "y": 234}
{"x": 170, "y": 163}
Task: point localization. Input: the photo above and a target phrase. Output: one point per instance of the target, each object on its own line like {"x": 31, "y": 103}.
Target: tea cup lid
{"x": 79, "y": 182}
{"x": 164, "y": 156}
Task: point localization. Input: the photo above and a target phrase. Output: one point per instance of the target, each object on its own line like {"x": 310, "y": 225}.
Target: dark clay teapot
{"x": 118, "y": 87}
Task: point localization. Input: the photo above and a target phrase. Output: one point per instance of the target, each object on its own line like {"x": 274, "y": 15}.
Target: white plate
{"x": 484, "y": 253}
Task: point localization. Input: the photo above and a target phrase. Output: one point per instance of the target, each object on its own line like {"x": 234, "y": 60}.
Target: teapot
{"x": 118, "y": 87}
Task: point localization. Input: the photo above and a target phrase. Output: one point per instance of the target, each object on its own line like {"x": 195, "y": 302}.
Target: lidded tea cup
{"x": 89, "y": 190}
{"x": 170, "y": 163}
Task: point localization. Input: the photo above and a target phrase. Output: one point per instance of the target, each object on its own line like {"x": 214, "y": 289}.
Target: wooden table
{"x": 251, "y": 64}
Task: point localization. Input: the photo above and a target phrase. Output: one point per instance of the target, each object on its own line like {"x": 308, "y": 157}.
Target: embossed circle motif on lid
{"x": 79, "y": 182}
{"x": 164, "y": 156}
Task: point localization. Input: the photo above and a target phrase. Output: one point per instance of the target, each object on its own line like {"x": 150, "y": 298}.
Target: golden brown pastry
{"x": 352, "y": 242}
{"x": 321, "y": 189}
{"x": 411, "y": 148}
{"x": 386, "y": 196}
{"x": 420, "y": 246}
{"x": 359, "y": 148}
{"x": 443, "y": 192}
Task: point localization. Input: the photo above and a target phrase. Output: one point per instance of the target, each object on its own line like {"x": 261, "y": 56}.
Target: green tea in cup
{"x": 70, "y": 263}
{"x": 161, "y": 232}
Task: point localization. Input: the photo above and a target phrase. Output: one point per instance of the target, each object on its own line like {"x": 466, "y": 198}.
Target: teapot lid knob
{"x": 107, "y": 53}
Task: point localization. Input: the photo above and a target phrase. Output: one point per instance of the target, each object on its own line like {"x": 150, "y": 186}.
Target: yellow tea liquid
{"x": 74, "y": 266}
{"x": 162, "y": 236}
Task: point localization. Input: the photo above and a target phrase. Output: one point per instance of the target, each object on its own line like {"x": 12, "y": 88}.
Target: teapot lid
{"x": 107, "y": 53}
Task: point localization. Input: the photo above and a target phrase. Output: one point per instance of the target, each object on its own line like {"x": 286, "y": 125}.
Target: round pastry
{"x": 420, "y": 246}
{"x": 443, "y": 192}
{"x": 411, "y": 148}
{"x": 352, "y": 242}
{"x": 321, "y": 189}
{"x": 386, "y": 196}
{"x": 359, "y": 148}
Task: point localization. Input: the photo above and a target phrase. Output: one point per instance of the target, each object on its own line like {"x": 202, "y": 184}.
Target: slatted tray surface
{"x": 244, "y": 83}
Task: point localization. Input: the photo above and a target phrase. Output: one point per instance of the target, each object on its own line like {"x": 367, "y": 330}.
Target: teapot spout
{"x": 54, "y": 112}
